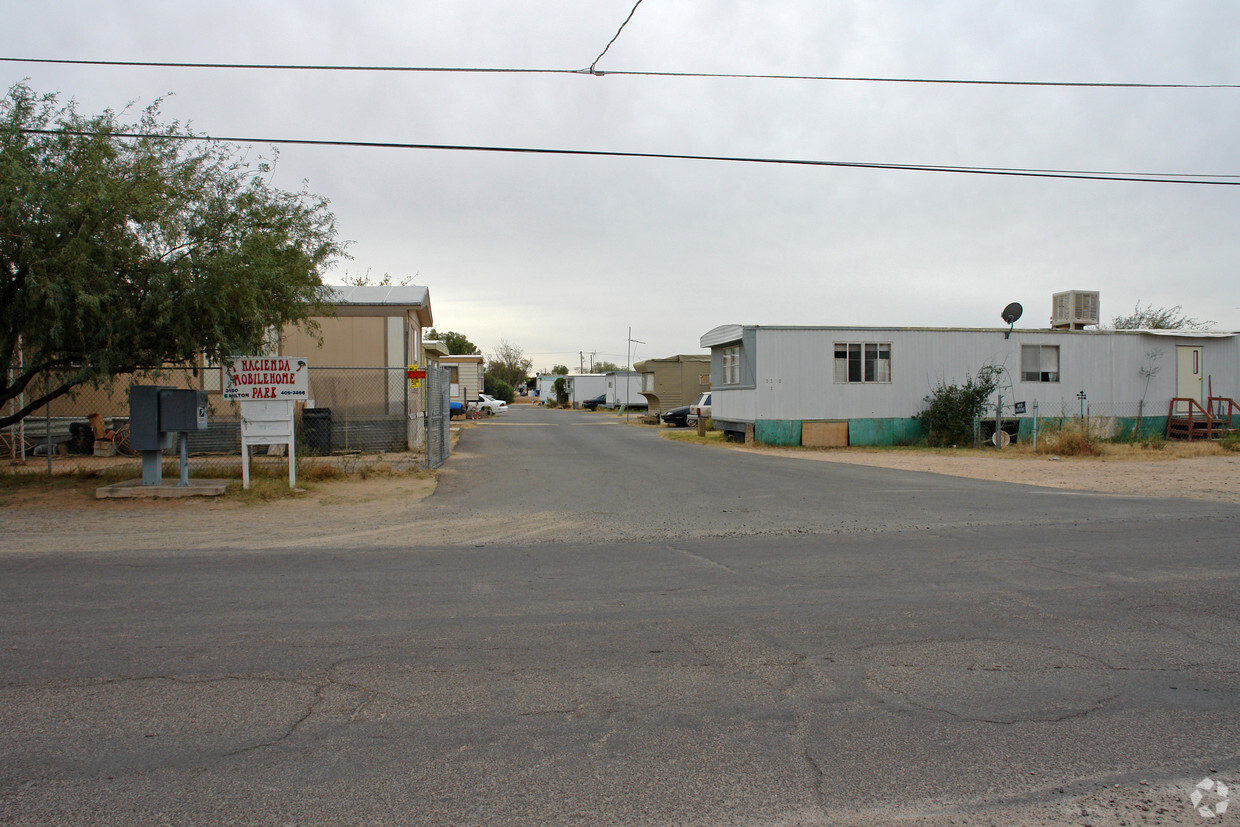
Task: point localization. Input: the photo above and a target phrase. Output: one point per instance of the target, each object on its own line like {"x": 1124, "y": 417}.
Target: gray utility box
{"x": 156, "y": 413}
{"x": 182, "y": 410}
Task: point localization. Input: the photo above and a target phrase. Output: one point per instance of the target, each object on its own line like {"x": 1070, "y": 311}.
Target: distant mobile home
{"x": 580, "y": 386}
{"x": 624, "y": 388}
{"x": 465, "y": 375}
{"x": 866, "y": 385}
{"x": 544, "y": 386}
{"x": 583, "y": 386}
{"x": 673, "y": 381}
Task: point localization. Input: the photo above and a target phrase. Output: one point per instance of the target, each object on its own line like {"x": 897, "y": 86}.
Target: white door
{"x": 1188, "y": 375}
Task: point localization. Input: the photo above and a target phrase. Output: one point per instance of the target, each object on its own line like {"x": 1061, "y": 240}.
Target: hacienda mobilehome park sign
{"x": 267, "y": 388}
{"x": 274, "y": 377}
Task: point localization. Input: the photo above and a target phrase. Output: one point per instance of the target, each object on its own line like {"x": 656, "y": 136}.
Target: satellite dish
{"x": 1010, "y": 314}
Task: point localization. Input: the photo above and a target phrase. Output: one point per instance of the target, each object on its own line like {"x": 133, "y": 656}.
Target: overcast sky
{"x": 562, "y": 254}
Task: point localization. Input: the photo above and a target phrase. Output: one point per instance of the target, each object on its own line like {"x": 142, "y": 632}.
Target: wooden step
{"x": 1198, "y": 428}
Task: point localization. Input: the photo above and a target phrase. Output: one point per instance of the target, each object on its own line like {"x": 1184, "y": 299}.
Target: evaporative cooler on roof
{"x": 1074, "y": 309}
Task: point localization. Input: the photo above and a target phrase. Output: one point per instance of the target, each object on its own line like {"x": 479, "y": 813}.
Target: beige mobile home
{"x": 466, "y": 372}
{"x": 674, "y": 380}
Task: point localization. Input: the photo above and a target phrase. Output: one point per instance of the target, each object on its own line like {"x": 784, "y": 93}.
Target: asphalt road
{"x": 700, "y": 637}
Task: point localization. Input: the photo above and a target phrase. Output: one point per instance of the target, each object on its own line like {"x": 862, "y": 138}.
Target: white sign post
{"x": 267, "y": 387}
{"x": 267, "y": 423}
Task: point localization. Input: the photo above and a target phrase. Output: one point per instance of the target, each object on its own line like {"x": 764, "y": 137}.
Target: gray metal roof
{"x": 409, "y": 295}
{"x": 728, "y": 333}
{"x": 1198, "y": 334}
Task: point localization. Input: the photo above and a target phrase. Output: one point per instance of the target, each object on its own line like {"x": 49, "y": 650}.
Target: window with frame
{"x": 731, "y": 365}
{"x": 1039, "y": 363}
{"x": 862, "y": 362}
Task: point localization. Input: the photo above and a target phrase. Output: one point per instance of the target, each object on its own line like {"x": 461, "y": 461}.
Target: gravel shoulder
{"x": 1172, "y": 472}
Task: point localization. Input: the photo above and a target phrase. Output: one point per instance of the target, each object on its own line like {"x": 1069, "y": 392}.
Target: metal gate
{"x": 438, "y": 416}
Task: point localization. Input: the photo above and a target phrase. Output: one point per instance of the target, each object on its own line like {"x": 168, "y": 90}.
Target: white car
{"x": 488, "y": 405}
{"x": 698, "y": 409}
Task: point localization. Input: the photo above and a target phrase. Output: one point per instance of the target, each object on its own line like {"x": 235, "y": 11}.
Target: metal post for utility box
{"x": 184, "y": 439}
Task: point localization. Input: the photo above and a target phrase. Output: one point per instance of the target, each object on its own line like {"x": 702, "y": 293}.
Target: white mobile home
{"x": 866, "y": 385}
{"x": 580, "y": 386}
{"x": 583, "y": 386}
{"x": 544, "y": 386}
{"x": 624, "y": 387}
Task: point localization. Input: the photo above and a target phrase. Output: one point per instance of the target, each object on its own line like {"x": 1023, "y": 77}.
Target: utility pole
{"x": 581, "y": 362}
{"x": 628, "y": 370}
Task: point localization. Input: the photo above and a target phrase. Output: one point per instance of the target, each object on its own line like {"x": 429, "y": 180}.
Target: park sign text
{"x": 266, "y": 377}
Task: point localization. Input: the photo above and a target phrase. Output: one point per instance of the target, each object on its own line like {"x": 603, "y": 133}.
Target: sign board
{"x": 266, "y": 377}
{"x": 1020, "y": 407}
{"x": 415, "y": 376}
{"x": 267, "y": 419}
{"x": 267, "y": 423}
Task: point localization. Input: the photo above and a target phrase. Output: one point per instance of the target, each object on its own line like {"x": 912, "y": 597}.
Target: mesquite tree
{"x": 128, "y": 247}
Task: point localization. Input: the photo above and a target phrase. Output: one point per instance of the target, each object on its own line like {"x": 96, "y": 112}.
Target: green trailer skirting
{"x": 893, "y": 431}
{"x": 1152, "y": 427}
{"x": 777, "y": 431}
{"x": 907, "y": 430}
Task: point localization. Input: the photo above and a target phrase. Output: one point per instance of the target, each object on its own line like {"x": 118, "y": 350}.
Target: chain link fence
{"x": 351, "y": 412}
{"x": 438, "y": 416}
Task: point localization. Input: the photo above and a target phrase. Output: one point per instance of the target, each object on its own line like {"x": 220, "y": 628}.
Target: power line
{"x": 615, "y": 36}
{"x": 592, "y": 71}
{"x": 946, "y": 81}
{"x": 1084, "y": 175}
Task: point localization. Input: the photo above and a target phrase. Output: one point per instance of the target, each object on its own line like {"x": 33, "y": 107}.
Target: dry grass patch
{"x": 691, "y": 435}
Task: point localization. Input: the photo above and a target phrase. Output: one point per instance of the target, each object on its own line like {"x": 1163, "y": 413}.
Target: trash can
{"x": 316, "y": 430}
{"x": 81, "y": 438}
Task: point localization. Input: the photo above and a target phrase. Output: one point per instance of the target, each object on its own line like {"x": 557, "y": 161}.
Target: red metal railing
{"x": 1191, "y": 422}
{"x": 1215, "y": 406}
{"x": 1188, "y": 421}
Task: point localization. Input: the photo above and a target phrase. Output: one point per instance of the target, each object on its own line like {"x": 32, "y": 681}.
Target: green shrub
{"x": 561, "y": 392}
{"x": 1231, "y": 442}
{"x": 951, "y": 410}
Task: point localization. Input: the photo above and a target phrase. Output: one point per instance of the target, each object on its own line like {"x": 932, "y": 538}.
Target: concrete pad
{"x": 167, "y": 490}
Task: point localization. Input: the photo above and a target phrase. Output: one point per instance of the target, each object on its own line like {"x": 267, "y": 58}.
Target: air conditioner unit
{"x": 1073, "y": 309}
